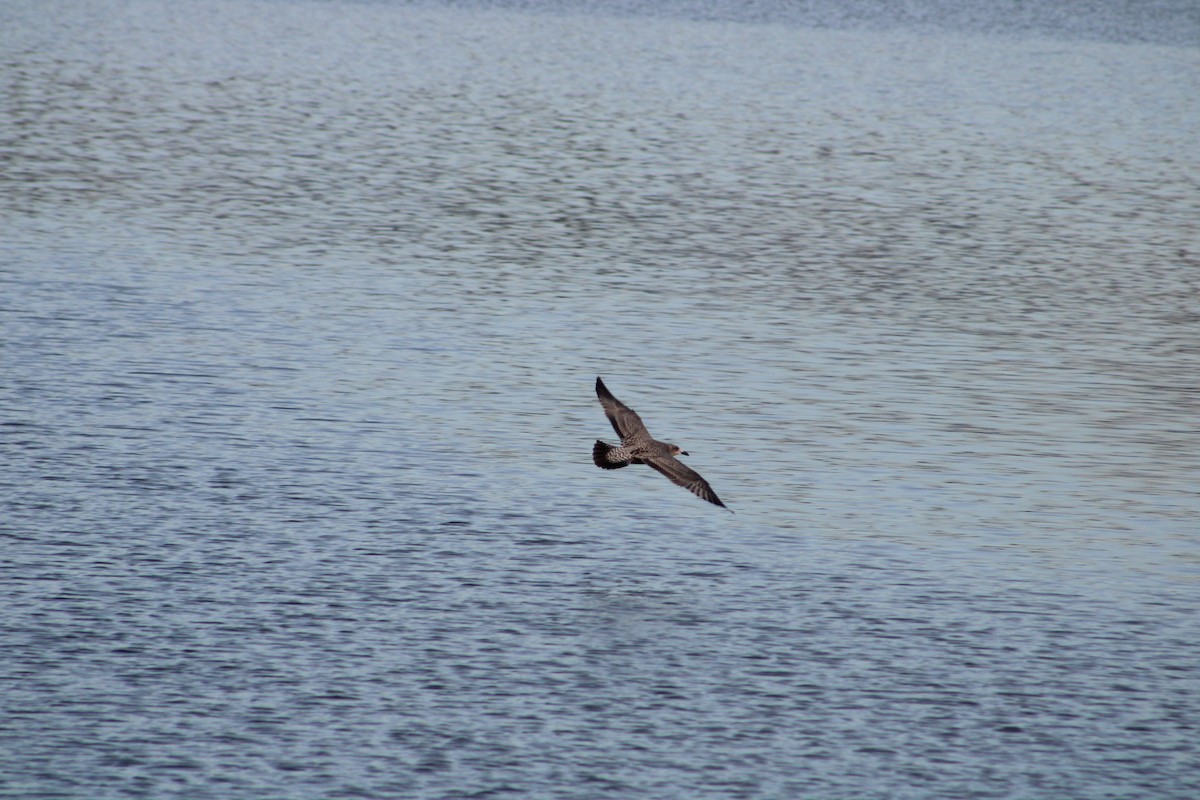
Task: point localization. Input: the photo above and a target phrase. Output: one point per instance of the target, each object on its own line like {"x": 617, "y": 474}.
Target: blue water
{"x": 302, "y": 307}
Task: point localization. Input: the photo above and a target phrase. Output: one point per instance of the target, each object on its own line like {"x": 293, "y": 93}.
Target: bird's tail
{"x": 605, "y": 458}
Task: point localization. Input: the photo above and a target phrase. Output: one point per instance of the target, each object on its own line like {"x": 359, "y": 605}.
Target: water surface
{"x": 302, "y": 308}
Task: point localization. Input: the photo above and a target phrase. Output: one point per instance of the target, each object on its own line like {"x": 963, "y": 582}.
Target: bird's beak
{"x": 684, "y": 453}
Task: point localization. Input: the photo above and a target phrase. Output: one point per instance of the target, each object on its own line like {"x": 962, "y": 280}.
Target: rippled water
{"x": 302, "y": 307}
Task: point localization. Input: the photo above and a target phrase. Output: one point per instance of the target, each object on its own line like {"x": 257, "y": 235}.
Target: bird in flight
{"x": 638, "y": 447}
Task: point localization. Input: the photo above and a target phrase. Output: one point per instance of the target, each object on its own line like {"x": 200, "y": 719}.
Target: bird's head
{"x": 676, "y": 450}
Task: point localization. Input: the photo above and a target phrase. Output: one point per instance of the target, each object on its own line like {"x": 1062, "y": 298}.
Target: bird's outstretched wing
{"x": 681, "y": 474}
{"x": 625, "y": 421}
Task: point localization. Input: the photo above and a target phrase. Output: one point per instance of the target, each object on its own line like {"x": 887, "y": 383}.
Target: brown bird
{"x": 638, "y": 447}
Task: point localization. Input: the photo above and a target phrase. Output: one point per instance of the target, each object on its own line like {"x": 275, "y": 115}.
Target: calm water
{"x": 302, "y": 306}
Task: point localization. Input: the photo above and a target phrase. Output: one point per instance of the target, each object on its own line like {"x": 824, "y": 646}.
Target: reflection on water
{"x": 301, "y": 316}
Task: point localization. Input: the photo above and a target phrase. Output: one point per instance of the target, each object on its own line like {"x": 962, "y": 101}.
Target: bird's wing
{"x": 625, "y": 421}
{"x": 681, "y": 474}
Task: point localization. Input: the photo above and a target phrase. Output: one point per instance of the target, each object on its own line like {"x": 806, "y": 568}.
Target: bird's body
{"x": 639, "y": 447}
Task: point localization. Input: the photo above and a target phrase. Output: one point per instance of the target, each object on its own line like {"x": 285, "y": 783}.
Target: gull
{"x": 638, "y": 447}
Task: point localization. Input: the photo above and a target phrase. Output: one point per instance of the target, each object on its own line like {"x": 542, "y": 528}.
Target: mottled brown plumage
{"x": 639, "y": 447}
